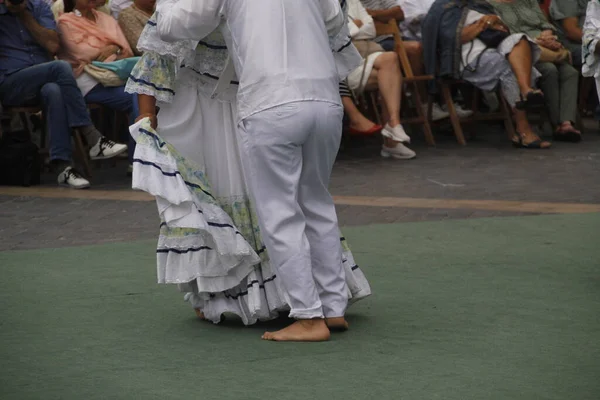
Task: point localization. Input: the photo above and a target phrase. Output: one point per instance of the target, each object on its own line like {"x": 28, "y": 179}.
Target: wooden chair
{"x": 391, "y": 28}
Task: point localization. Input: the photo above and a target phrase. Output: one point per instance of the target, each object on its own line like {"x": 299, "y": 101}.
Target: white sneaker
{"x": 460, "y": 112}
{"x": 400, "y": 152}
{"x": 437, "y": 113}
{"x": 396, "y": 133}
{"x": 106, "y": 148}
{"x": 73, "y": 179}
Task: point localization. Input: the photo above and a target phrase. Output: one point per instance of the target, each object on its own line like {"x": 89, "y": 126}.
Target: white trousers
{"x": 288, "y": 153}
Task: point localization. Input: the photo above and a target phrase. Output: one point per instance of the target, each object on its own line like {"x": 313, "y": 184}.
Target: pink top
{"x": 82, "y": 40}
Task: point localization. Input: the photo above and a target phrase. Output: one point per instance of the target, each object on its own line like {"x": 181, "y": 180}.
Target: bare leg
{"x": 303, "y": 330}
{"x": 521, "y": 63}
{"x": 357, "y": 120}
{"x": 524, "y": 129}
{"x": 414, "y": 51}
{"x": 386, "y": 72}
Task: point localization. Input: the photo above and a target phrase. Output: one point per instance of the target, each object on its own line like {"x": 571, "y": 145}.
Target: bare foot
{"x": 303, "y": 330}
{"x": 200, "y": 314}
{"x": 338, "y": 324}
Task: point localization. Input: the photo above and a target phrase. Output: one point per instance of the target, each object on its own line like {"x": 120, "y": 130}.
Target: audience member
{"x": 87, "y": 35}
{"x": 591, "y": 43}
{"x": 58, "y": 8}
{"x": 133, "y": 19}
{"x": 452, "y": 30}
{"x": 116, "y": 6}
{"x": 385, "y": 10}
{"x": 569, "y": 16}
{"x": 559, "y": 80}
{"x": 28, "y": 75}
{"x": 380, "y": 69}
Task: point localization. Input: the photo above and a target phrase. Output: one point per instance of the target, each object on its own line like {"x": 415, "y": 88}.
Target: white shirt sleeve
{"x": 188, "y": 19}
{"x": 333, "y": 16}
{"x": 367, "y": 30}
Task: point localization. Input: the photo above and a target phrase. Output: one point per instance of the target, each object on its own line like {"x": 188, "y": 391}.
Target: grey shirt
{"x": 561, "y": 9}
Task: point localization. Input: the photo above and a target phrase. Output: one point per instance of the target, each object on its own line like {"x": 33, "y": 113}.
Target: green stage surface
{"x": 504, "y": 308}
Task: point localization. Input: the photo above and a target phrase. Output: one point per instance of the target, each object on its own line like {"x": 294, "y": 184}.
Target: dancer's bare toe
{"x": 304, "y": 330}
{"x": 337, "y": 324}
{"x": 200, "y": 314}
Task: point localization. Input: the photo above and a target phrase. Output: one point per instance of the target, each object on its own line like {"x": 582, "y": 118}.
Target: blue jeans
{"x": 52, "y": 84}
{"x": 115, "y": 98}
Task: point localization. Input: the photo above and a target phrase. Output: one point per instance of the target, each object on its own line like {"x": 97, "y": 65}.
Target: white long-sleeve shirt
{"x": 280, "y": 48}
{"x": 367, "y": 30}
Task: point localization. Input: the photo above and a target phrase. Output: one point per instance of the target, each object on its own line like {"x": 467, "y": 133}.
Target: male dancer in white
{"x": 290, "y": 123}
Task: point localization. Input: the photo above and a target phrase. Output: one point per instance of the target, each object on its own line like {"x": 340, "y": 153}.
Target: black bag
{"x": 20, "y": 161}
{"x": 492, "y": 37}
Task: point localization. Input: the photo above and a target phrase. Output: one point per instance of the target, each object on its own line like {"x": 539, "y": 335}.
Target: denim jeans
{"x": 53, "y": 85}
{"x": 115, "y": 98}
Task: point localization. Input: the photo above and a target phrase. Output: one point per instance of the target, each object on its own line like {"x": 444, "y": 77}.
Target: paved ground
{"x": 486, "y": 170}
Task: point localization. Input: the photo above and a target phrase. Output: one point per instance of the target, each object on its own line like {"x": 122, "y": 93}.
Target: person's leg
{"x": 358, "y": 121}
{"x": 521, "y": 62}
{"x": 271, "y": 152}
{"x": 318, "y": 156}
{"x": 115, "y": 98}
{"x": 569, "y": 85}
{"x": 549, "y": 83}
{"x": 414, "y": 51}
{"x": 386, "y": 76}
{"x": 38, "y": 84}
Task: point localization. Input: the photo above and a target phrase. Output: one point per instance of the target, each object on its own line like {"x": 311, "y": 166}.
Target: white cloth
{"x": 288, "y": 152}
{"x": 85, "y": 83}
{"x": 116, "y": 6}
{"x": 414, "y": 12}
{"x": 354, "y": 79}
{"x": 471, "y": 50}
{"x": 591, "y": 37}
{"x": 204, "y": 131}
{"x": 367, "y": 30}
{"x": 267, "y": 43}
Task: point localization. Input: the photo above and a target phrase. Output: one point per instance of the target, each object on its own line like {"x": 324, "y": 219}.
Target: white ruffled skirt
{"x": 209, "y": 243}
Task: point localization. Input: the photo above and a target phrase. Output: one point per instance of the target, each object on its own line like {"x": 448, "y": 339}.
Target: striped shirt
{"x": 379, "y": 4}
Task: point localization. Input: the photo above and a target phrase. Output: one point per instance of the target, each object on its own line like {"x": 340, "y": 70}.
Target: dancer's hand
{"x": 152, "y": 117}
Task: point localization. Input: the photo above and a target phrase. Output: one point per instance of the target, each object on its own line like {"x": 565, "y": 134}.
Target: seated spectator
{"x": 58, "y": 8}
{"x": 568, "y": 16}
{"x": 591, "y": 43}
{"x": 87, "y": 35}
{"x": 359, "y": 124}
{"x": 116, "y": 6}
{"x": 385, "y": 10}
{"x": 453, "y": 30}
{"x": 28, "y": 75}
{"x": 133, "y": 19}
{"x": 559, "y": 80}
{"x": 380, "y": 69}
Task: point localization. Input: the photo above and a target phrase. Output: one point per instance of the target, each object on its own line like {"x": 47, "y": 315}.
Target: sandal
{"x": 536, "y": 144}
{"x": 533, "y": 100}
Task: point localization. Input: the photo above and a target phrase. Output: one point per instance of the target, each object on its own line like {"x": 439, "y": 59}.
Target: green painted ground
{"x": 477, "y": 309}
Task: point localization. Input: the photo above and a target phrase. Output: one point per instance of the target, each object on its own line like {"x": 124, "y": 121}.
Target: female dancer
{"x": 209, "y": 237}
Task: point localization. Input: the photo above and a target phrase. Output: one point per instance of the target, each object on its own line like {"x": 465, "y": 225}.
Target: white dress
{"x": 209, "y": 241}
